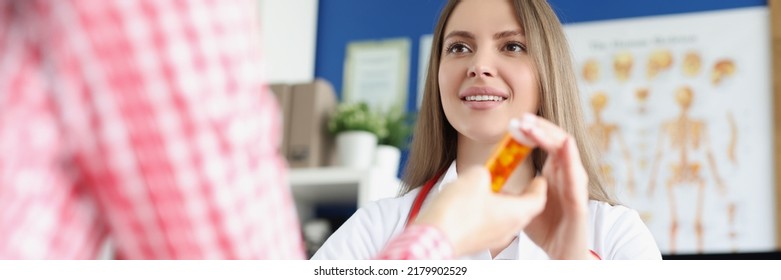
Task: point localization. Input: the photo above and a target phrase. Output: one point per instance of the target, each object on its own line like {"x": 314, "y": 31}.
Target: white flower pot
{"x": 387, "y": 159}
{"x": 355, "y": 149}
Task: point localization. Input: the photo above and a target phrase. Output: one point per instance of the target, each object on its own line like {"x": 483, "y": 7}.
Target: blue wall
{"x": 342, "y": 21}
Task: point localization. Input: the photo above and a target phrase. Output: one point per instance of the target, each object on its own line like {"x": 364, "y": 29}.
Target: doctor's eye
{"x": 515, "y": 47}
{"x": 457, "y": 48}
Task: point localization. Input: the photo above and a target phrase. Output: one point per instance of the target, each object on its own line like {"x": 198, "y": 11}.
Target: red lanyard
{"x": 424, "y": 191}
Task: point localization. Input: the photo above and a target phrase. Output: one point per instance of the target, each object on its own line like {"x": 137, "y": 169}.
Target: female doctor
{"x": 494, "y": 63}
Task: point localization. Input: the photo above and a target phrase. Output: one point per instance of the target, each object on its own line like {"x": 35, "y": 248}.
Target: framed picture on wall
{"x": 681, "y": 107}
{"x": 376, "y": 72}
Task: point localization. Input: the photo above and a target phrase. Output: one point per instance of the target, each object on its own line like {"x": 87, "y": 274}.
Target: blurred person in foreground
{"x": 148, "y": 122}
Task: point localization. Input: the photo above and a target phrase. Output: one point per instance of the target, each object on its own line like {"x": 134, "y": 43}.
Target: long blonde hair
{"x": 435, "y": 141}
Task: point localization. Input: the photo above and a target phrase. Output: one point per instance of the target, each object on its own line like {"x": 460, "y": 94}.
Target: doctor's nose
{"x": 480, "y": 70}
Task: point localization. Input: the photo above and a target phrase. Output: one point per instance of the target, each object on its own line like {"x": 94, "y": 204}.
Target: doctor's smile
{"x": 483, "y": 97}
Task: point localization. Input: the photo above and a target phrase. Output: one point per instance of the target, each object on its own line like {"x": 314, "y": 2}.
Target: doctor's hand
{"x": 560, "y": 229}
{"x": 475, "y": 218}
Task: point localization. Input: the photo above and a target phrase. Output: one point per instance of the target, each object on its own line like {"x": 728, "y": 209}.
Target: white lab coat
{"x": 615, "y": 232}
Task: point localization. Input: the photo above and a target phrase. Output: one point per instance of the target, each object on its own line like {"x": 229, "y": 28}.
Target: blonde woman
{"x": 496, "y": 62}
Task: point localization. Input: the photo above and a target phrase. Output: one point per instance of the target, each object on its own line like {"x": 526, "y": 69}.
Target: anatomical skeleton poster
{"x": 680, "y": 107}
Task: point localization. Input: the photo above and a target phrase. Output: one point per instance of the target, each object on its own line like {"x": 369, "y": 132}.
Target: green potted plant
{"x": 357, "y": 129}
{"x": 398, "y": 125}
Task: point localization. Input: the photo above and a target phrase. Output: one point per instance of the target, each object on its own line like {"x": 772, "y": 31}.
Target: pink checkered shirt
{"x": 146, "y": 122}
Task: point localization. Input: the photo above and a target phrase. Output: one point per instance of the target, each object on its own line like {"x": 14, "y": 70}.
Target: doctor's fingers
{"x": 524, "y": 207}
{"x": 545, "y": 134}
{"x": 570, "y": 179}
{"x": 564, "y": 164}
{"x": 573, "y": 172}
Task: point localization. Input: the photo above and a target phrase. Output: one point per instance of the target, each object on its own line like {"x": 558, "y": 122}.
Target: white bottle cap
{"x": 515, "y": 130}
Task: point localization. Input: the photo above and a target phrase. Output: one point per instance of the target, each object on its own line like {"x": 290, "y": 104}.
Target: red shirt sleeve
{"x": 418, "y": 242}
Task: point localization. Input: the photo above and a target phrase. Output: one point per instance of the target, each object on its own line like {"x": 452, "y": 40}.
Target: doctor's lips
{"x": 477, "y": 94}
{"x": 507, "y": 155}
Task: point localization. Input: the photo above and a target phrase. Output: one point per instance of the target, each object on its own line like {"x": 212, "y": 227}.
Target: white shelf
{"x": 339, "y": 185}
{"x": 327, "y": 184}
{"x": 325, "y": 175}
